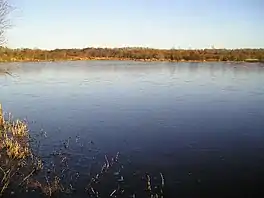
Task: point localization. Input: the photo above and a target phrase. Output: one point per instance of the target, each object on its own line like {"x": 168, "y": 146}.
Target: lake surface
{"x": 199, "y": 124}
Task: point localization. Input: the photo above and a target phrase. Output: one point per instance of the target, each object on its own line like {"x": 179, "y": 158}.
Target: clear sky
{"x": 49, "y": 24}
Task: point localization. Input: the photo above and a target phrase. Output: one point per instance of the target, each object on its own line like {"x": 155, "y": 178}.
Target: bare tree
{"x": 5, "y": 9}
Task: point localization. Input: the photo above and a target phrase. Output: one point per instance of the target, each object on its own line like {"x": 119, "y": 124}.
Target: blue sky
{"x": 49, "y": 24}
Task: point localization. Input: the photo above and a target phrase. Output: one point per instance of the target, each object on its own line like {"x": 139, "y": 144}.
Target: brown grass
{"x": 14, "y": 153}
{"x": 14, "y": 139}
{"x": 16, "y": 157}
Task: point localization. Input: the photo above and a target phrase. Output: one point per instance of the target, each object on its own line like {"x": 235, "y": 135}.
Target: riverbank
{"x": 128, "y": 59}
{"x": 132, "y": 54}
{"x": 17, "y": 162}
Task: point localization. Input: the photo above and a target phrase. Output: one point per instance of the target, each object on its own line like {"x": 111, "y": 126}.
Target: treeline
{"x": 132, "y": 54}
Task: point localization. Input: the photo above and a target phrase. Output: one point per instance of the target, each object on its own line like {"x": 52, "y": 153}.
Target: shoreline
{"x": 132, "y": 54}
{"x": 13, "y": 60}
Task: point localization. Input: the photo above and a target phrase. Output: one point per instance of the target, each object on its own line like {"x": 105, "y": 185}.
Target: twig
{"x": 113, "y": 193}
{"x": 162, "y": 184}
{"x": 9, "y": 73}
{"x": 162, "y": 180}
{"x": 48, "y": 186}
{"x": 148, "y": 183}
{"x": 31, "y": 173}
{"x": 5, "y": 180}
{"x": 107, "y": 162}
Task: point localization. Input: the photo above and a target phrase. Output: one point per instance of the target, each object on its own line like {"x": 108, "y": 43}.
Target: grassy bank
{"x": 136, "y": 54}
{"x": 17, "y": 162}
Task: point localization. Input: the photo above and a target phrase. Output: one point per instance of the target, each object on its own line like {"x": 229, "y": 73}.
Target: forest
{"x": 132, "y": 53}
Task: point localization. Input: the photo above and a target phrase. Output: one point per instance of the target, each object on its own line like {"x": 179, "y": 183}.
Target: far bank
{"x": 133, "y": 54}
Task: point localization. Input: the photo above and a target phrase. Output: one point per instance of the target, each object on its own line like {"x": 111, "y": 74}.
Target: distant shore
{"x": 132, "y": 54}
{"x": 127, "y": 59}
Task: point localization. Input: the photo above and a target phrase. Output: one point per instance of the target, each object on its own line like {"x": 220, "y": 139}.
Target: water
{"x": 199, "y": 124}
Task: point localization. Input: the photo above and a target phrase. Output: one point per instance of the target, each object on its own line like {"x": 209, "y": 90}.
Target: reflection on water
{"x": 201, "y": 125}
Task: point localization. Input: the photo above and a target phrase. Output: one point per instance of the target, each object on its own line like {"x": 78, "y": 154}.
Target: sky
{"x": 165, "y": 24}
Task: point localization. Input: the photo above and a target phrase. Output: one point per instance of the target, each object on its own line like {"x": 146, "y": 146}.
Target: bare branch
{"x": 5, "y": 10}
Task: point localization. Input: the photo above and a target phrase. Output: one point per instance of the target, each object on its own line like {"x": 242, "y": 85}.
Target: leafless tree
{"x": 5, "y": 9}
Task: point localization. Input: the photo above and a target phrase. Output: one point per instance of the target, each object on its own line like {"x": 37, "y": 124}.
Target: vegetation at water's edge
{"x": 23, "y": 173}
{"x": 17, "y": 162}
{"x": 140, "y": 54}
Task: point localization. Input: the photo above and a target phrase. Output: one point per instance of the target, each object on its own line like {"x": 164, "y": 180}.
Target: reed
{"x": 14, "y": 139}
{"x": 16, "y": 158}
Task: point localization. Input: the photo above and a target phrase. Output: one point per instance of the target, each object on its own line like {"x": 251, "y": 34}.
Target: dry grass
{"x": 49, "y": 188}
{"x": 14, "y": 153}
{"x": 14, "y": 139}
{"x": 18, "y": 164}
